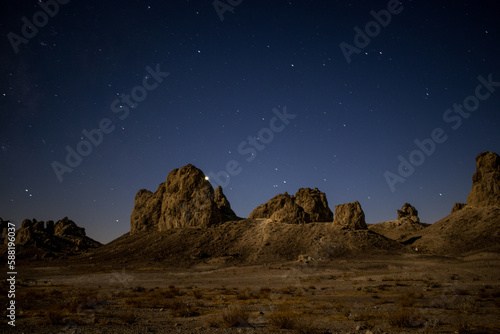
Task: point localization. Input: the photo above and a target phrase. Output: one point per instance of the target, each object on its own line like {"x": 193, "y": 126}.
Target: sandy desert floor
{"x": 412, "y": 293}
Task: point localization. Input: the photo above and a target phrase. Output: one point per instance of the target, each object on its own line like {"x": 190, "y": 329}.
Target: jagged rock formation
{"x": 224, "y": 205}
{"x": 485, "y": 181}
{"x": 185, "y": 199}
{"x": 350, "y": 216}
{"x": 315, "y": 204}
{"x": 458, "y": 206}
{"x": 400, "y": 229}
{"x": 408, "y": 213}
{"x": 49, "y": 239}
{"x": 308, "y": 205}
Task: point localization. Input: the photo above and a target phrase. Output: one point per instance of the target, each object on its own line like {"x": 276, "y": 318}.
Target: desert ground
{"x": 385, "y": 293}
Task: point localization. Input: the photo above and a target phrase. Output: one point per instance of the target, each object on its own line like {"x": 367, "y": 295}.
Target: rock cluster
{"x": 185, "y": 199}
{"x": 308, "y": 205}
{"x": 61, "y": 237}
{"x": 350, "y": 216}
{"x": 485, "y": 181}
{"x": 408, "y": 213}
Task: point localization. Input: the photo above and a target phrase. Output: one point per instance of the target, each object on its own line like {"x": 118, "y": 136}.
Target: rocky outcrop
{"x": 315, "y": 204}
{"x": 185, "y": 199}
{"x": 485, "y": 181}
{"x": 408, "y": 213}
{"x": 66, "y": 228}
{"x": 350, "y": 216}
{"x": 63, "y": 238}
{"x": 276, "y": 203}
{"x": 224, "y": 205}
{"x": 308, "y": 205}
{"x": 458, "y": 206}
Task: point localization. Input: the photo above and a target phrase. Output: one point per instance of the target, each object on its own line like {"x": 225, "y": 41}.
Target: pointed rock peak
{"x": 185, "y": 199}
{"x": 224, "y": 205}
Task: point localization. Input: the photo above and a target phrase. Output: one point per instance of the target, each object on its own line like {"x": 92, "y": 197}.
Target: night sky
{"x": 267, "y": 91}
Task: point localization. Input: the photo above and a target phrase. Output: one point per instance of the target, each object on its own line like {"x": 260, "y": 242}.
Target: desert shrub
{"x": 128, "y": 318}
{"x": 54, "y": 317}
{"x": 462, "y": 326}
{"x": 233, "y": 316}
{"x": 197, "y": 294}
{"x": 180, "y": 308}
{"x": 288, "y": 290}
{"x": 409, "y": 299}
{"x": 403, "y": 318}
{"x": 285, "y": 318}
{"x": 483, "y": 294}
{"x": 244, "y": 294}
{"x": 265, "y": 293}
{"x": 138, "y": 289}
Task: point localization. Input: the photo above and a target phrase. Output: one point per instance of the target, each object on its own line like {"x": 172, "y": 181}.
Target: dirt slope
{"x": 471, "y": 229}
{"x": 245, "y": 241}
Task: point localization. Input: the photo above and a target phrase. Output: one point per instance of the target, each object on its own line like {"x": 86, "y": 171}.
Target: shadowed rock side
{"x": 400, "y": 229}
{"x": 45, "y": 240}
{"x": 485, "y": 181}
{"x": 224, "y": 205}
{"x": 185, "y": 199}
{"x": 350, "y": 216}
{"x": 308, "y": 205}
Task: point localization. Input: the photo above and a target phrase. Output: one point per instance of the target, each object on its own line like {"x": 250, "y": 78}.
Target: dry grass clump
{"x": 409, "y": 299}
{"x": 403, "y": 318}
{"x": 233, "y": 316}
{"x": 265, "y": 293}
{"x": 128, "y": 318}
{"x": 244, "y": 294}
{"x": 180, "y": 308}
{"x": 286, "y": 318}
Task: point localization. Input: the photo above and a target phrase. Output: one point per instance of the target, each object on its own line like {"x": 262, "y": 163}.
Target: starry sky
{"x": 281, "y": 94}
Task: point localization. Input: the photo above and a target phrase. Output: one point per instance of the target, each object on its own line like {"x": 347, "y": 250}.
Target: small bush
{"x": 265, "y": 293}
{"x": 285, "y": 318}
{"x": 244, "y": 295}
{"x": 139, "y": 289}
{"x": 180, "y": 308}
{"x": 233, "y": 316}
{"x": 197, "y": 294}
{"x": 128, "y": 318}
{"x": 402, "y": 319}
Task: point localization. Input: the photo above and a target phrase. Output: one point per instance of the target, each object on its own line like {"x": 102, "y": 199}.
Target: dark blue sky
{"x": 352, "y": 120}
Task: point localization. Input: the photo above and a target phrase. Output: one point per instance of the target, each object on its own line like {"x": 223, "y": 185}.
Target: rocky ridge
{"x": 40, "y": 239}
